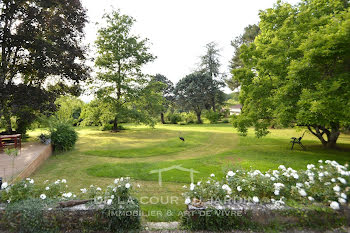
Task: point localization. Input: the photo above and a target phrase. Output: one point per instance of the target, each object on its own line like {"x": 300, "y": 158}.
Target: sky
{"x": 179, "y": 30}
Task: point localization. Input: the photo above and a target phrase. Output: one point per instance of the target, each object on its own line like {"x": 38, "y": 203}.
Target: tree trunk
{"x": 115, "y": 124}
{"x": 199, "y": 120}
{"x": 8, "y": 123}
{"x": 332, "y": 135}
{"x": 162, "y": 118}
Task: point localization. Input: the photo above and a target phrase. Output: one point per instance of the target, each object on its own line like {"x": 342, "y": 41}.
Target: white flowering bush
{"x": 28, "y": 189}
{"x": 326, "y": 183}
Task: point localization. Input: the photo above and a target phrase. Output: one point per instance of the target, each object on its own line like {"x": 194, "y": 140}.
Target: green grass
{"x": 99, "y": 157}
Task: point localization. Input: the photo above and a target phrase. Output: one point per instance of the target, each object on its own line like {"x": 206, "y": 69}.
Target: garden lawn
{"x": 100, "y": 157}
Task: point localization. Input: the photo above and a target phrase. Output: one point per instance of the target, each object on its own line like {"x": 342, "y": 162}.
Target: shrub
{"x": 173, "y": 118}
{"x": 63, "y": 136}
{"x": 212, "y": 116}
{"x": 189, "y": 117}
{"x": 326, "y": 184}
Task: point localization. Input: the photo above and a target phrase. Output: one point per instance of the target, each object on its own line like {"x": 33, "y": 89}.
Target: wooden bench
{"x": 7, "y": 140}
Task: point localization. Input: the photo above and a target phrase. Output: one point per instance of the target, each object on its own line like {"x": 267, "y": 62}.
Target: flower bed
{"x": 318, "y": 195}
{"x": 41, "y": 208}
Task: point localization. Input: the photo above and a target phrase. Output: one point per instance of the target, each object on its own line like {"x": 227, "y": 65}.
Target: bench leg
{"x": 292, "y": 146}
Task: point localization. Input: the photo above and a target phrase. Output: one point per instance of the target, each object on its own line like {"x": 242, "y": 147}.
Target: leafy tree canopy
{"x": 297, "y": 69}
{"x": 38, "y": 40}
{"x": 192, "y": 92}
{"x": 121, "y": 57}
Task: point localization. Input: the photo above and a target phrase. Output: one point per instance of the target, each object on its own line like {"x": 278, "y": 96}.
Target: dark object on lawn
{"x": 182, "y": 139}
{"x": 298, "y": 141}
{"x": 0, "y": 182}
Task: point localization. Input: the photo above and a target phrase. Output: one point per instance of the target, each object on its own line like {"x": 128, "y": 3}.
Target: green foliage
{"x": 63, "y": 136}
{"x": 210, "y": 64}
{"x": 297, "y": 69}
{"x": 127, "y": 91}
{"x": 48, "y": 35}
{"x": 28, "y": 216}
{"x": 189, "y": 117}
{"x": 173, "y": 117}
{"x": 193, "y": 92}
{"x": 212, "y": 116}
{"x": 69, "y": 109}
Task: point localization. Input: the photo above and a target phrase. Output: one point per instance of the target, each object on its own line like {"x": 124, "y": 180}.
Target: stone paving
{"x": 28, "y": 153}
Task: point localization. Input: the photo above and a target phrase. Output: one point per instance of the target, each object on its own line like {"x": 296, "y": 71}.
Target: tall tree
{"x": 210, "y": 63}
{"x": 248, "y": 36}
{"x": 38, "y": 39}
{"x": 297, "y": 70}
{"x": 192, "y": 92}
{"x": 167, "y": 91}
{"x": 120, "y": 58}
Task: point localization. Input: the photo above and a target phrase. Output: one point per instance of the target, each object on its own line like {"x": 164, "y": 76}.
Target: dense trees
{"x": 38, "y": 40}
{"x": 297, "y": 69}
{"x": 192, "y": 92}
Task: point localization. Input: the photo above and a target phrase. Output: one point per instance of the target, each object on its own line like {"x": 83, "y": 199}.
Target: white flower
{"x": 116, "y": 181}
{"x": 208, "y": 182}
{"x": 310, "y": 198}
{"x": 64, "y": 181}
{"x": 127, "y": 185}
{"x": 239, "y": 188}
{"x": 299, "y": 185}
{"x": 327, "y": 183}
{"x": 333, "y": 180}
{"x": 192, "y": 186}
{"x": 255, "y": 199}
{"x": 267, "y": 175}
{"x": 230, "y": 173}
{"x": 341, "y": 200}
{"x": 336, "y": 188}
{"x": 28, "y": 178}
{"x": 109, "y": 202}
{"x": 321, "y": 174}
{"x": 43, "y": 196}
{"x": 226, "y": 187}
{"x": 320, "y": 161}
{"x": 98, "y": 189}
{"x": 343, "y": 195}
{"x": 310, "y": 166}
{"x": 4, "y": 185}
{"x": 212, "y": 175}
{"x": 83, "y": 190}
{"x": 25, "y": 186}
{"x": 187, "y": 201}
{"x": 273, "y": 178}
{"x": 198, "y": 183}
{"x": 282, "y": 167}
{"x": 47, "y": 188}
{"x": 185, "y": 187}
{"x": 57, "y": 181}
{"x": 302, "y": 193}
{"x": 334, "y": 205}
{"x": 67, "y": 194}
{"x": 342, "y": 180}
{"x": 112, "y": 197}
{"x": 278, "y": 186}
{"x": 139, "y": 186}
{"x": 277, "y": 192}
{"x": 31, "y": 181}
{"x": 296, "y": 176}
